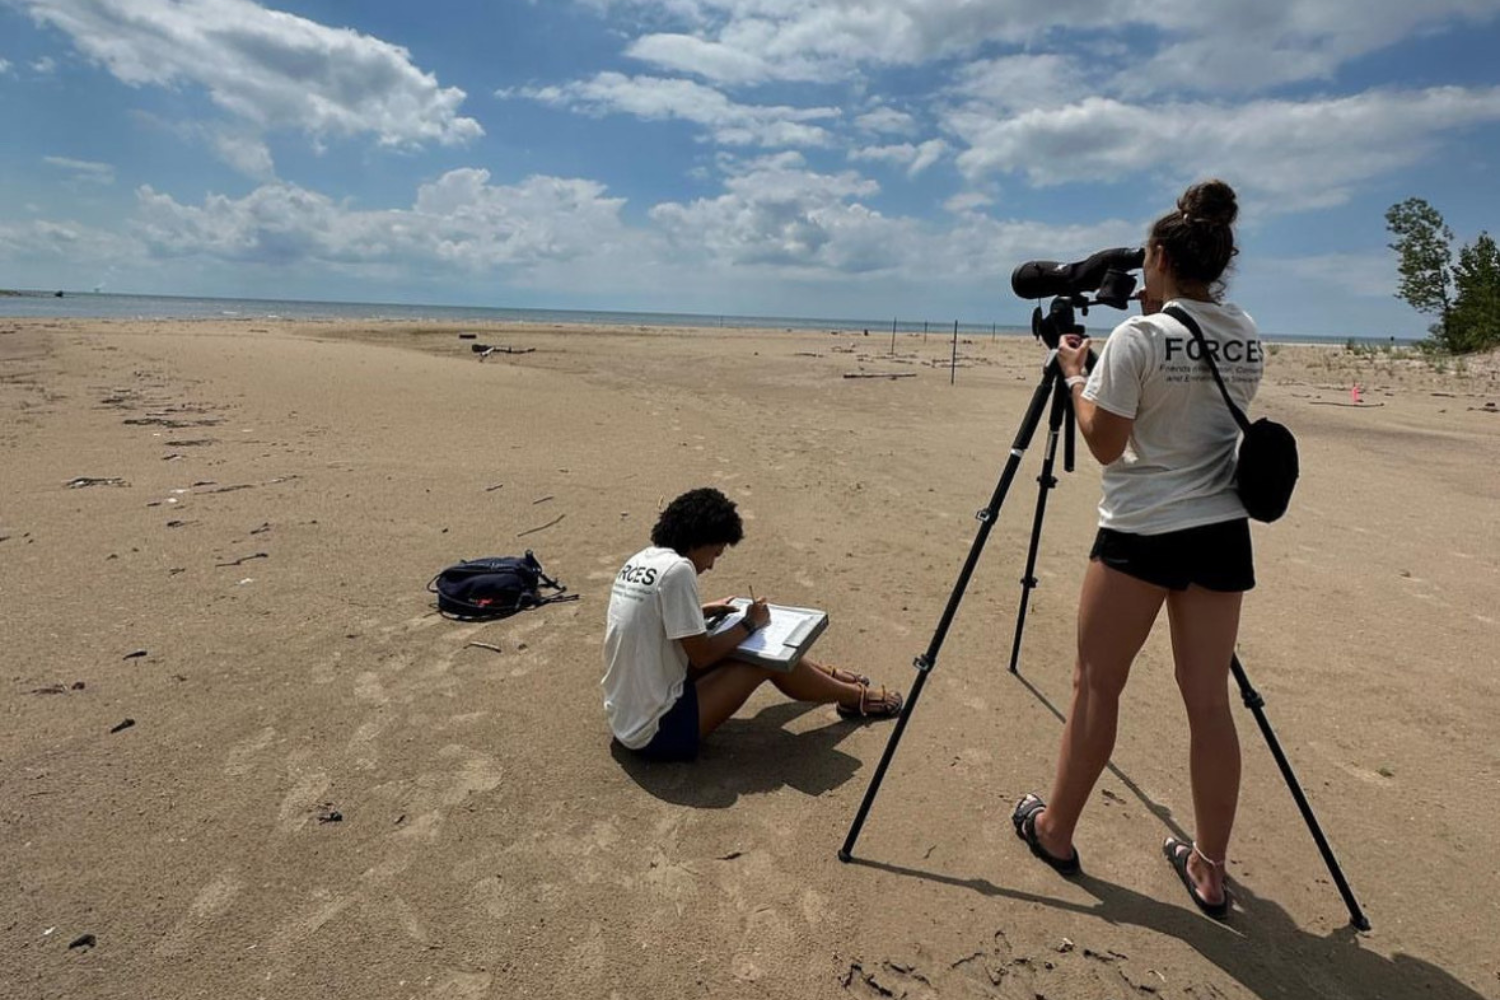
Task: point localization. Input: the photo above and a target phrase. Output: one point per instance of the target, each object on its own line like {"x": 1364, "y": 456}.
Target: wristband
{"x": 750, "y": 626}
{"x": 1073, "y": 380}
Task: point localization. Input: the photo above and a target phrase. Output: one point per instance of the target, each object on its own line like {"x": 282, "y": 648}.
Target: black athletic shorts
{"x": 1214, "y": 556}
{"x": 677, "y": 733}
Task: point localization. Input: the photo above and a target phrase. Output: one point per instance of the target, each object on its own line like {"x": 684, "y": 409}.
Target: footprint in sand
{"x": 767, "y": 934}
{"x": 241, "y": 756}
{"x": 587, "y": 959}
{"x": 296, "y": 932}
{"x": 362, "y": 743}
{"x": 368, "y": 689}
{"x": 327, "y": 671}
{"x": 296, "y": 807}
{"x": 460, "y": 986}
{"x": 212, "y": 900}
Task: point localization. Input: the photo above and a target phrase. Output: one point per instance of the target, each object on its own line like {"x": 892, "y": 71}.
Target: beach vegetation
{"x": 1464, "y": 296}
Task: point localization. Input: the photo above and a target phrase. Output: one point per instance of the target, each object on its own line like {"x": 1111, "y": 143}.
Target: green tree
{"x": 1475, "y": 320}
{"x": 1422, "y": 242}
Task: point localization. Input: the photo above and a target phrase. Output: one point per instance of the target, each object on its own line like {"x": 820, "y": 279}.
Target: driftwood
{"x": 243, "y": 559}
{"x": 544, "y": 527}
{"x": 880, "y": 374}
{"x": 485, "y": 352}
{"x": 1357, "y": 406}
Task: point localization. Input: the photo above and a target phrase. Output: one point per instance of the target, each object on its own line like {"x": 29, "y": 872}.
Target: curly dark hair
{"x": 699, "y": 517}
{"x": 1199, "y": 236}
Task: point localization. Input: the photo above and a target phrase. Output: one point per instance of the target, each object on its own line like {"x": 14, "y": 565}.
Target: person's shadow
{"x": 1261, "y": 947}
{"x": 746, "y": 756}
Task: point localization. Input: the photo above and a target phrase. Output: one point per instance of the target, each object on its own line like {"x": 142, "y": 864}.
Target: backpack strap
{"x": 542, "y": 578}
{"x": 1181, "y": 315}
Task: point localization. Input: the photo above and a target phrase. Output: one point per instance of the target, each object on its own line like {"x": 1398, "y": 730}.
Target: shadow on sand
{"x": 748, "y": 757}
{"x": 1261, "y": 947}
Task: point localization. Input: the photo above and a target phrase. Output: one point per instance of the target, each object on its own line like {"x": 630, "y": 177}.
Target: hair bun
{"x": 1209, "y": 201}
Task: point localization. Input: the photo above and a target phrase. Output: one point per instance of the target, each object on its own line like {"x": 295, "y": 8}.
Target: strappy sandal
{"x": 844, "y": 676}
{"x": 1023, "y": 818}
{"x": 886, "y": 706}
{"x": 1177, "y": 855}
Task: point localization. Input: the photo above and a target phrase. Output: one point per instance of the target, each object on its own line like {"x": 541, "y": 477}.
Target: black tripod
{"x": 1060, "y": 425}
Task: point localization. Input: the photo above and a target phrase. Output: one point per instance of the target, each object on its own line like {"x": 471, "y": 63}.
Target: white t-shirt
{"x": 1178, "y": 467}
{"x": 653, "y": 603}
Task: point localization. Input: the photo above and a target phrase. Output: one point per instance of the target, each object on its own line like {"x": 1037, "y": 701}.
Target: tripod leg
{"x": 928, "y": 660}
{"x": 1061, "y": 407}
{"x": 1256, "y": 704}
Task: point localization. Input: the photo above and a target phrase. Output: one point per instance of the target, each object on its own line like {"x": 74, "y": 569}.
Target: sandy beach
{"x": 220, "y": 533}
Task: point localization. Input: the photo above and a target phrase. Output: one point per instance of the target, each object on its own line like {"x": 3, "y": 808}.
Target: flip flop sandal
{"x": 1024, "y": 820}
{"x": 887, "y": 706}
{"x": 1177, "y": 854}
{"x": 844, "y": 676}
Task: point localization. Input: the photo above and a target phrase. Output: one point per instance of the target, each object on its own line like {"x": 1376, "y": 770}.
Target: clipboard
{"x": 781, "y": 643}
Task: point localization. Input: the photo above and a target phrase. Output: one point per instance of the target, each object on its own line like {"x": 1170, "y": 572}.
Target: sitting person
{"x": 667, "y": 682}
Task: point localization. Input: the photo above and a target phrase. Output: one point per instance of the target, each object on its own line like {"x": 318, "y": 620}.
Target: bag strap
{"x": 1181, "y": 315}
{"x": 543, "y": 580}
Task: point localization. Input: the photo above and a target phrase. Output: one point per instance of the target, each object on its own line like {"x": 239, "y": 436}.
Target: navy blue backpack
{"x": 497, "y": 587}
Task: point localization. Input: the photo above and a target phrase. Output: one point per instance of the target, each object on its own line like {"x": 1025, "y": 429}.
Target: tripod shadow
{"x": 748, "y": 757}
{"x": 1285, "y": 960}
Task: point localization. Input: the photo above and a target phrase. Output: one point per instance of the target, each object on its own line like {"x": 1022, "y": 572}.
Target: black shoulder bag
{"x": 1266, "y": 470}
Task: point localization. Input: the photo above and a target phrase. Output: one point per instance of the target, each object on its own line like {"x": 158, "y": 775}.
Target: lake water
{"x": 83, "y": 305}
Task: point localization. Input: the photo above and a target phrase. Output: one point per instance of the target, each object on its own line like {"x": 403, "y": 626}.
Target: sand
{"x": 328, "y": 791}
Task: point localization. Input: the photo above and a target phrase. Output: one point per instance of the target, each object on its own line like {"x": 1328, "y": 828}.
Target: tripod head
{"x": 1106, "y": 273}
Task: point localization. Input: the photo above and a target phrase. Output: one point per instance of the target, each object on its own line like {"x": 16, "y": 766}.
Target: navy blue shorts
{"x": 677, "y": 733}
{"x": 1213, "y": 556}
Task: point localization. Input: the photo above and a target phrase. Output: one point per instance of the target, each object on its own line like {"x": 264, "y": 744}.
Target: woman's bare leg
{"x": 1115, "y": 615}
{"x": 723, "y": 689}
{"x": 726, "y": 686}
{"x": 1204, "y": 626}
{"x": 805, "y": 682}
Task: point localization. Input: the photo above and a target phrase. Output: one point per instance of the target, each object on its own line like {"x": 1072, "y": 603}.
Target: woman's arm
{"x": 1104, "y": 432}
{"x": 704, "y": 650}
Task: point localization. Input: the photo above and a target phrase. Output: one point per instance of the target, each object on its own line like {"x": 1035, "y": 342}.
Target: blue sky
{"x": 848, "y": 158}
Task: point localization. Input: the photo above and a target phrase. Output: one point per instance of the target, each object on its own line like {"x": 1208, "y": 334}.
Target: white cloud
{"x": 1199, "y": 44}
{"x": 4, "y": 67}
{"x": 1292, "y": 154}
{"x": 657, "y": 99}
{"x": 70, "y": 243}
{"x": 888, "y": 121}
{"x": 45, "y": 66}
{"x": 713, "y": 60}
{"x": 779, "y": 218}
{"x": 915, "y": 158}
{"x": 84, "y": 171}
{"x": 968, "y": 201}
{"x": 271, "y": 69}
{"x": 244, "y": 152}
{"x": 1229, "y": 46}
{"x": 458, "y": 221}
{"x": 1025, "y": 82}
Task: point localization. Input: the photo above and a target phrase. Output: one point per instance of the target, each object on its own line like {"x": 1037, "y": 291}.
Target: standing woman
{"x": 1172, "y": 531}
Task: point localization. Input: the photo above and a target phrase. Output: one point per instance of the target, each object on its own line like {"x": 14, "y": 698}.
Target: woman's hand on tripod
{"x": 1072, "y": 355}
